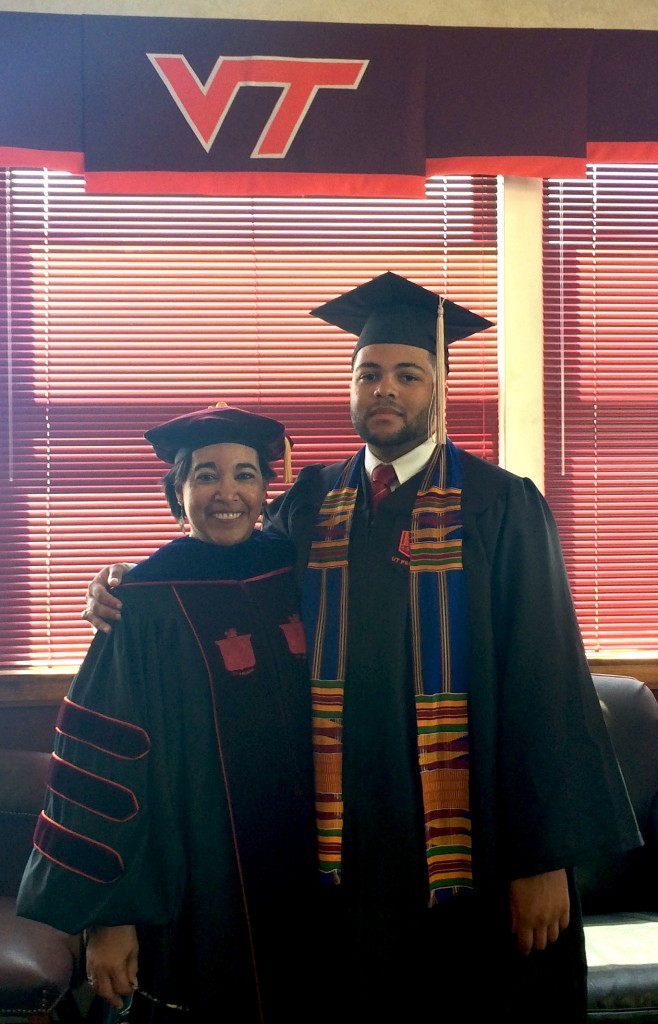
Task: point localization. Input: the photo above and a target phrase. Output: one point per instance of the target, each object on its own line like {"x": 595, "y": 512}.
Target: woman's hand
{"x": 112, "y": 962}
{"x": 539, "y": 906}
{"x": 102, "y": 608}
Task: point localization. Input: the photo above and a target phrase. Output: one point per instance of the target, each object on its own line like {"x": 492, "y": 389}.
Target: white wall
{"x": 631, "y": 14}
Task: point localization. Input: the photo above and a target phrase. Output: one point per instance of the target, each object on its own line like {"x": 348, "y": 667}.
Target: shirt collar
{"x": 407, "y": 465}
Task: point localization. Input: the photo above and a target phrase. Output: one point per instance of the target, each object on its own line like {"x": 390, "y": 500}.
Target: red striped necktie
{"x": 382, "y": 477}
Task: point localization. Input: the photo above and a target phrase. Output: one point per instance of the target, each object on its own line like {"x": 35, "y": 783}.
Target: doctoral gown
{"x": 180, "y": 794}
{"x": 545, "y": 788}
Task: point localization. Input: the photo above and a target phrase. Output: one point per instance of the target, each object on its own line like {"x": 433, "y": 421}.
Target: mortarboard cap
{"x": 391, "y": 310}
{"x": 218, "y": 425}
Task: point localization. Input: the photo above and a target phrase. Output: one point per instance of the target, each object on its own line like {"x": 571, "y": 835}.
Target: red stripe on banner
{"x": 519, "y": 166}
{"x": 54, "y": 160}
{"x": 245, "y": 183}
{"x": 622, "y": 152}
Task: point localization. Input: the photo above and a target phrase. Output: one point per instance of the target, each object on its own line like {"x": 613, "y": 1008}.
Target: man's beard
{"x": 417, "y": 430}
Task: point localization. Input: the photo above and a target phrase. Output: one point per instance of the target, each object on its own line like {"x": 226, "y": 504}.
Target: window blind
{"x": 601, "y": 397}
{"x": 123, "y": 311}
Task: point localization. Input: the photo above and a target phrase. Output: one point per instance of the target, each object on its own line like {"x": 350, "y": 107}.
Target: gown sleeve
{"x": 564, "y": 799}
{"x": 107, "y": 848}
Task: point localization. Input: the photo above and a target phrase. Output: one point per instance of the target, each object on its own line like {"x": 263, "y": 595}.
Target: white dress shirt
{"x": 407, "y": 465}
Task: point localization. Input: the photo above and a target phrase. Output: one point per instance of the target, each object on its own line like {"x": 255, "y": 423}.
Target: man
{"x": 462, "y": 766}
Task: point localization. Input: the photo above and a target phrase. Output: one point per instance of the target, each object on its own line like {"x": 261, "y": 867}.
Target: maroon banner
{"x": 40, "y": 91}
{"x": 524, "y": 103}
{"x": 162, "y": 105}
{"x": 212, "y": 98}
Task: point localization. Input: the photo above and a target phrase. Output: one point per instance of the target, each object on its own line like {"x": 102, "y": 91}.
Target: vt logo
{"x": 204, "y": 107}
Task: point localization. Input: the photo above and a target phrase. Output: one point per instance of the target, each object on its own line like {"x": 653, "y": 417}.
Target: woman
{"x": 178, "y": 823}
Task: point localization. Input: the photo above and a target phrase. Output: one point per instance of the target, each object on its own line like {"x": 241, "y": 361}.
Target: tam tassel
{"x": 287, "y": 460}
{"x": 440, "y": 430}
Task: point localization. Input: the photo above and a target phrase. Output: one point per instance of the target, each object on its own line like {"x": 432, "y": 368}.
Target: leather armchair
{"x": 38, "y": 964}
{"x": 620, "y": 894}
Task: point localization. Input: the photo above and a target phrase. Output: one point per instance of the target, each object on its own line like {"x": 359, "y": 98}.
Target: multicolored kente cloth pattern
{"x": 438, "y": 628}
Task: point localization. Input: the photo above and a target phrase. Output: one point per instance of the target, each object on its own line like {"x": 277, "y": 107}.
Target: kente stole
{"x": 437, "y": 607}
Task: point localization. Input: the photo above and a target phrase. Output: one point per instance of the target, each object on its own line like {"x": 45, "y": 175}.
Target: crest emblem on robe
{"x": 237, "y": 652}
{"x": 404, "y": 546}
{"x": 293, "y": 631}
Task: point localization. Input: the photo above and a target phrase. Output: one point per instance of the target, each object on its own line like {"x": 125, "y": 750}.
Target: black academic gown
{"x": 181, "y": 787}
{"x": 546, "y": 792}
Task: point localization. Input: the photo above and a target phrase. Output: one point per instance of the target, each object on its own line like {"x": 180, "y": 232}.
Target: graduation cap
{"x": 220, "y": 424}
{"x": 391, "y": 310}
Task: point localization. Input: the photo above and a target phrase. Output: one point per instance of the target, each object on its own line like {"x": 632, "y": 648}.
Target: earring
{"x": 181, "y": 518}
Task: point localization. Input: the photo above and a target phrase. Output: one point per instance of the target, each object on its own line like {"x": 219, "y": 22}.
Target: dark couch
{"x": 620, "y": 894}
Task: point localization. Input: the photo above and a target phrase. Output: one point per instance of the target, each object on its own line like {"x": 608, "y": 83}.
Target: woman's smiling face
{"x": 223, "y": 493}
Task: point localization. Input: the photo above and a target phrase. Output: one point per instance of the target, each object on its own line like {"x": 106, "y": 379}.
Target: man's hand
{"x": 112, "y": 962}
{"x": 540, "y": 909}
{"x": 102, "y": 608}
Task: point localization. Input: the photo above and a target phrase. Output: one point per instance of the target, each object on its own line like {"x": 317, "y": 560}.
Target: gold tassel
{"x": 440, "y": 403}
{"x": 287, "y": 460}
